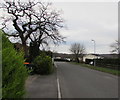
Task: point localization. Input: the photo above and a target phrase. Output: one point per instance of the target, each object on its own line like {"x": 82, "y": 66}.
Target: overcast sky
{"x": 86, "y": 21}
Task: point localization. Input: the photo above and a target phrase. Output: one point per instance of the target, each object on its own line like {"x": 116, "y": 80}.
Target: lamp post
{"x": 94, "y": 50}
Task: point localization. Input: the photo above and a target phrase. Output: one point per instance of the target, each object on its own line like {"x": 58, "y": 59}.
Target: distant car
{"x": 91, "y": 63}
{"x": 68, "y": 59}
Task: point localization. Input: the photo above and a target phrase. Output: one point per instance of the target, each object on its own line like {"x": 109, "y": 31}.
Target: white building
{"x": 91, "y": 57}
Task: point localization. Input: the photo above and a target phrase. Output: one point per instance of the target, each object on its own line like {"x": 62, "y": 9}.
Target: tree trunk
{"x": 25, "y": 49}
{"x": 77, "y": 59}
{"x": 33, "y": 51}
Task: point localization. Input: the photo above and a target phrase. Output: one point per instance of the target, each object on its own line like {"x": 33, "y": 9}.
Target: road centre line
{"x": 59, "y": 93}
{"x": 58, "y": 86}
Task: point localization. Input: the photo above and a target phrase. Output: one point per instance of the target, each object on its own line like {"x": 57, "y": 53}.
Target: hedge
{"x": 43, "y": 64}
{"x": 14, "y": 73}
{"x": 109, "y": 63}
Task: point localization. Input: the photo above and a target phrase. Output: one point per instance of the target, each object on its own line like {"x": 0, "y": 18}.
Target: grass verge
{"x": 107, "y": 70}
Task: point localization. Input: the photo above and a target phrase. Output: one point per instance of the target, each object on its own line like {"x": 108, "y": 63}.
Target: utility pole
{"x": 94, "y": 51}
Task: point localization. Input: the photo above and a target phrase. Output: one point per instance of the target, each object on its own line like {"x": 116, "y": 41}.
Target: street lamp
{"x": 94, "y": 50}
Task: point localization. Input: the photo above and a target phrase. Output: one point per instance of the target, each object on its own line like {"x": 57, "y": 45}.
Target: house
{"x": 110, "y": 56}
{"x": 92, "y": 56}
{"x": 88, "y": 58}
{"x": 19, "y": 46}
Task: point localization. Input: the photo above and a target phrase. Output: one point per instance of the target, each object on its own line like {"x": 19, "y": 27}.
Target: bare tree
{"x": 33, "y": 20}
{"x": 115, "y": 47}
{"x": 78, "y": 50}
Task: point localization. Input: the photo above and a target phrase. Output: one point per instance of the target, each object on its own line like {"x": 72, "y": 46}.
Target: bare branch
{"x": 30, "y": 17}
{"x": 78, "y": 50}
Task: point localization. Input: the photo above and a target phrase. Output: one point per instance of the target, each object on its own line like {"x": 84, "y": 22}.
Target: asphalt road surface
{"x": 81, "y": 82}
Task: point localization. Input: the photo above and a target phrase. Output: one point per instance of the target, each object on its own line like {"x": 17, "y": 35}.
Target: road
{"x": 81, "y": 82}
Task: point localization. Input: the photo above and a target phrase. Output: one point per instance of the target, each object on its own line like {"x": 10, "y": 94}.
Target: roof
{"x": 113, "y": 56}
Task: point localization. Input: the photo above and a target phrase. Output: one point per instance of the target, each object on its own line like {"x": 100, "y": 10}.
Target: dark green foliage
{"x": 43, "y": 65}
{"x": 48, "y": 53}
{"x": 33, "y": 51}
{"x": 14, "y": 72}
{"x": 109, "y": 63}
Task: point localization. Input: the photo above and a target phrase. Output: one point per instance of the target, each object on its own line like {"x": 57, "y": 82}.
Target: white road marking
{"x": 59, "y": 93}
{"x": 58, "y": 86}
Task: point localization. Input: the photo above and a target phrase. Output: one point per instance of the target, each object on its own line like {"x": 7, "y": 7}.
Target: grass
{"x": 107, "y": 70}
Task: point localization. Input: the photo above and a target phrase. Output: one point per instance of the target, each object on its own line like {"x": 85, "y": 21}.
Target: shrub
{"x": 14, "y": 72}
{"x": 43, "y": 65}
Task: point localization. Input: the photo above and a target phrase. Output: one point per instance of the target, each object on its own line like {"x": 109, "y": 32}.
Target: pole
{"x": 94, "y": 51}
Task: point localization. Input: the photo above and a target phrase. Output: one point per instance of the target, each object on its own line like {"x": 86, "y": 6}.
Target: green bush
{"x": 43, "y": 65}
{"x": 14, "y": 72}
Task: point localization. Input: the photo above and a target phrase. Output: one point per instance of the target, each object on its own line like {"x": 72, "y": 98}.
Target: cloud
{"x": 86, "y": 21}
{"x": 90, "y": 20}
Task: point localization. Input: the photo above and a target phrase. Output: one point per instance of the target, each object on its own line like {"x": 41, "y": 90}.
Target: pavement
{"x": 41, "y": 86}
